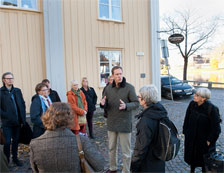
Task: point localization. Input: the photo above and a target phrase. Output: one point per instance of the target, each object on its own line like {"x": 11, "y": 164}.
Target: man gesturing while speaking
{"x": 119, "y": 100}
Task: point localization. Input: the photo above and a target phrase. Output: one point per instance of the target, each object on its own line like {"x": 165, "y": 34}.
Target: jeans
{"x": 11, "y": 133}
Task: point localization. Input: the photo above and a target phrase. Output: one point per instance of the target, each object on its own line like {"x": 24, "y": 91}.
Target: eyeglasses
{"x": 45, "y": 90}
{"x": 9, "y": 78}
{"x": 196, "y": 94}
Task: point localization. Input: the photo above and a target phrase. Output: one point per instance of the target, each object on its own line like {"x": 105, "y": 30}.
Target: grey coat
{"x": 55, "y": 151}
{"x": 120, "y": 120}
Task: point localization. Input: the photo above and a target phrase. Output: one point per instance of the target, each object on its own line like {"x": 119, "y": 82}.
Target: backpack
{"x": 167, "y": 143}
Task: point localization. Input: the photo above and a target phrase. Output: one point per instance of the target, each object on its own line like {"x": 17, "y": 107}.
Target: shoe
{"x": 17, "y": 162}
{"x": 91, "y": 137}
{"x": 109, "y": 171}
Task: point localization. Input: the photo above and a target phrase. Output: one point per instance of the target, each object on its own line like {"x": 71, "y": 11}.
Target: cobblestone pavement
{"x": 176, "y": 110}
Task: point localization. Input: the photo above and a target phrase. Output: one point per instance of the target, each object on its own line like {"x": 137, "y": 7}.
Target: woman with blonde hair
{"x": 91, "y": 99}
{"x": 56, "y": 150}
{"x": 77, "y": 100}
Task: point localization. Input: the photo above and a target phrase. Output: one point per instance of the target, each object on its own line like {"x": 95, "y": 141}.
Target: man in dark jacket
{"x": 13, "y": 114}
{"x": 52, "y": 93}
{"x": 119, "y": 99}
{"x": 143, "y": 159}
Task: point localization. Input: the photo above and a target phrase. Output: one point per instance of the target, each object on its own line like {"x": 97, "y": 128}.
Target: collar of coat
{"x": 4, "y": 88}
{"x": 122, "y": 84}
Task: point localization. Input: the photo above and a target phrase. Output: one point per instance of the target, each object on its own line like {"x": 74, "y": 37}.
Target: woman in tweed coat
{"x": 56, "y": 150}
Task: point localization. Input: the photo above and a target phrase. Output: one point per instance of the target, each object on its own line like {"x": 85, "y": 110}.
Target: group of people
{"x": 82, "y": 101}
{"x": 57, "y": 124}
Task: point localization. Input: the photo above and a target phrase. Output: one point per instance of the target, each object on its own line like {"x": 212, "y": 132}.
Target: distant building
{"x": 201, "y": 60}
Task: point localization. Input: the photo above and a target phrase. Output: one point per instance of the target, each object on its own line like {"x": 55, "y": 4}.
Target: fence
{"x": 208, "y": 84}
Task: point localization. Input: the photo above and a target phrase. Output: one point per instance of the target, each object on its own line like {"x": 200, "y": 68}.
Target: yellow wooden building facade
{"x": 65, "y": 40}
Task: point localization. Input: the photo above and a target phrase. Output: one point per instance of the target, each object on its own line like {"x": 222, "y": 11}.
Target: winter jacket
{"x": 54, "y": 96}
{"x": 143, "y": 159}
{"x": 72, "y": 100}
{"x": 200, "y": 127}
{"x": 91, "y": 98}
{"x": 36, "y": 111}
{"x": 120, "y": 120}
{"x": 10, "y": 116}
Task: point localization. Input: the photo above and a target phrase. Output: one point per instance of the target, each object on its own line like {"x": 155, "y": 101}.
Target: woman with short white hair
{"x": 77, "y": 100}
{"x": 201, "y": 129}
{"x": 143, "y": 160}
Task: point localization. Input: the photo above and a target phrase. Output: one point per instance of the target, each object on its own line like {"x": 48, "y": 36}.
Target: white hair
{"x": 204, "y": 92}
{"x": 74, "y": 82}
{"x": 149, "y": 94}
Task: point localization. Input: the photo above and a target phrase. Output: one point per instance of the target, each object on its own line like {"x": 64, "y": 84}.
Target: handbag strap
{"x": 81, "y": 153}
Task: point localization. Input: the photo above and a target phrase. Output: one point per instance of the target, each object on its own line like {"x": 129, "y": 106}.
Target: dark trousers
{"x": 11, "y": 134}
{"x": 89, "y": 117}
{"x": 37, "y": 131}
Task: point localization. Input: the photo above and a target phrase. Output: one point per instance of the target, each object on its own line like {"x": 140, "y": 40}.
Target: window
{"x": 110, "y": 9}
{"x": 108, "y": 59}
{"x": 24, "y": 4}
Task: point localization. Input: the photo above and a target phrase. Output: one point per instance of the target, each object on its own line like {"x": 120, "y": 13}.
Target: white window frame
{"x": 110, "y": 62}
{"x": 19, "y": 6}
{"x": 110, "y": 11}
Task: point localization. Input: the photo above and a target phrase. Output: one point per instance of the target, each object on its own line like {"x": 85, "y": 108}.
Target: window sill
{"x": 19, "y": 9}
{"x": 108, "y": 20}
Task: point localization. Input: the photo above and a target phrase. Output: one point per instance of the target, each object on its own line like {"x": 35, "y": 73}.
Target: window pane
{"x": 104, "y": 56}
{"x": 104, "y": 2}
{"x": 116, "y": 13}
{"x": 108, "y": 59}
{"x": 116, "y": 3}
{"x": 104, "y": 68}
{"x": 10, "y": 3}
{"x": 116, "y": 58}
{"x": 29, "y": 4}
{"x": 104, "y": 73}
{"x": 104, "y": 11}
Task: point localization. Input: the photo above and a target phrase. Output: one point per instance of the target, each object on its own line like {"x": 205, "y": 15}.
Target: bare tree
{"x": 196, "y": 33}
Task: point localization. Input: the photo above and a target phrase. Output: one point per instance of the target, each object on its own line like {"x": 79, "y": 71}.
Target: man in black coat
{"x": 52, "y": 93}
{"x": 13, "y": 114}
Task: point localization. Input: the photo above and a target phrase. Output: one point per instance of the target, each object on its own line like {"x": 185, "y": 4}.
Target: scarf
{"x": 79, "y": 99}
{"x": 43, "y": 106}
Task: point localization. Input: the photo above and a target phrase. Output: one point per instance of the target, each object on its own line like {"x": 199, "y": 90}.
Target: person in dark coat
{"x": 13, "y": 115}
{"x": 40, "y": 103}
{"x": 91, "y": 99}
{"x": 110, "y": 81}
{"x": 143, "y": 159}
{"x": 201, "y": 129}
{"x": 52, "y": 93}
{"x": 120, "y": 100}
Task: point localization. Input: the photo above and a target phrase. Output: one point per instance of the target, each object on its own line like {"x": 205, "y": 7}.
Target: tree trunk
{"x": 185, "y": 68}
